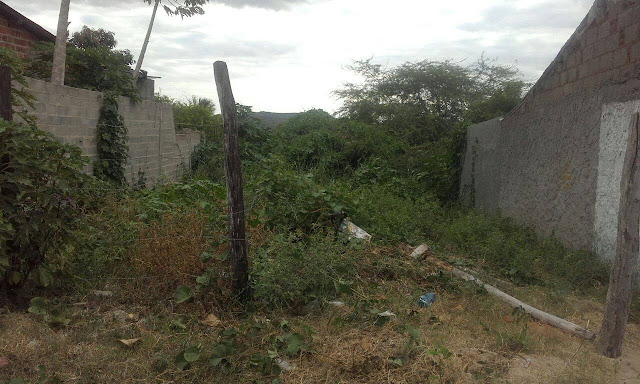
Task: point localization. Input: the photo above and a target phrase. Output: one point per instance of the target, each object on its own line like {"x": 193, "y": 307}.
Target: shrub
{"x": 517, "y": 252}
{"x": 316, "y": 140}
{"x": 392, "y": 218}
{"x": 41, "y": 198}
{"x": 171, "y": 248}
{"x": 285, "y": 198}
{"x": 292, "y": 271}
{"x": 207, "y": 160}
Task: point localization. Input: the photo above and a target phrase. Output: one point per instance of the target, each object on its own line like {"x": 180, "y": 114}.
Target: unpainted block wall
{"x": 548, "y": 149}
{"x": 156, "y": 152}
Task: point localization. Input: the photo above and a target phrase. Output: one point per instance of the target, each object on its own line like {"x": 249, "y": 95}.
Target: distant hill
{"x": 273, "y": 119}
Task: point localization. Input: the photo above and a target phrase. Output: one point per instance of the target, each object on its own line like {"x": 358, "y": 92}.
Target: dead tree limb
{"x": 622, "y": 278}
{"x": 550, "y": 319}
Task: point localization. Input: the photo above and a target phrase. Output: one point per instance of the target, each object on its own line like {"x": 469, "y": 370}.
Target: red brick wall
{"x": 15, "y": 38}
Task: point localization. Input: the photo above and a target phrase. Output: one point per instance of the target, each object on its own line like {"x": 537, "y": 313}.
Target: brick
{"x": 608, "y": 44}
{"x": 590, "y": 36}
{"x": 606, "y": 62}
{"x": 620, "y": 57}
{"x": 632, "y": 33}
{"x": 604, "y": 29}
{"x": 634, "y": 53}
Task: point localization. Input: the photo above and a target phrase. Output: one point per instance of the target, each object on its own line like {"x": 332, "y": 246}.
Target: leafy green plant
{"x": 186, "y": 357}
{"x": 92, "y": 63}
{"x": 291, "y": 271}
{"x": 183, "y": 294}
{"x": 265, "y": 363}
{"x": 289, "y": 199}
{"x": 20, "y": 98}
{"x": 53, "y": 316}
{"x": 112, "y": 139}
{"x": 41, "y": 201}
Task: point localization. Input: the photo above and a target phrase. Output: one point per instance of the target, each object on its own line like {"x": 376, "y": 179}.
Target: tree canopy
{"x": 185, "y": 8}
{"x": 92, "y": 63}
{"x": 421, "y": 100}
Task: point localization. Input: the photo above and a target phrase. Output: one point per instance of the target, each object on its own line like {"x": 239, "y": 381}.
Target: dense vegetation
{"x": 92, "y": 63}
{"x": 390, "y": 163}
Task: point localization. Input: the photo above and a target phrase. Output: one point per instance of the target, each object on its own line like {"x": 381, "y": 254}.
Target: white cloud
{"x": 293, "y": 59}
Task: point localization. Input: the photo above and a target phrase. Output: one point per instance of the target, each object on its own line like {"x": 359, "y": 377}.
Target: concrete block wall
{"x": 156, "y": 152}
{"x": 549, "y": 158}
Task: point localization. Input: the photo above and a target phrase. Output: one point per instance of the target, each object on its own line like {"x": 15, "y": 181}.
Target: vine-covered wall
{"x": 156, "y": 151}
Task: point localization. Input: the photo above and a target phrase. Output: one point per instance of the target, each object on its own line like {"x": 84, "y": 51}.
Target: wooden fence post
{"x": 235, "y": 200}
{"x": 6, "y": 111}
{"x": 622, "y": 279}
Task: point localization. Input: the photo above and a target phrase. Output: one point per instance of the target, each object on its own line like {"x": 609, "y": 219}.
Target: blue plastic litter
{"x": 426, "y": 300}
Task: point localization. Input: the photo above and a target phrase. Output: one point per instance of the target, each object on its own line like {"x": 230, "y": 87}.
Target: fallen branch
{"x": 552, "y": 320}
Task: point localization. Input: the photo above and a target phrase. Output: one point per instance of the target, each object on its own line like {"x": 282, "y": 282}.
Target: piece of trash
{"x": 526, "y": 363}
{"x": 386, "y": 314}
{"x": 285, "y": 365}
{"x": 129, "y": 342}
{"x": 211, "y": 321}
{"x": 354, "y": 231}
{"x": 419, "y": 251}
{"x": 426, "y": 300}
{"x": 336, "y": 303}
{"x": 102, "y": 293}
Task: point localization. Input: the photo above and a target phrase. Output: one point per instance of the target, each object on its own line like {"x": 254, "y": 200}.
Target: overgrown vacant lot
{"x": 465, "y": 336}
{"x": 104, "y": 283}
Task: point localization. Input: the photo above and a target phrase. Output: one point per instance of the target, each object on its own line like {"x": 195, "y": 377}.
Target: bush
{"x": 41, "y": 197}
{"x": 392, "y": 218}
{"x": 292, "y": 271}
{"x": 517, "y": 252}
{"x": 207, "y": 160}
{"x": 282, "y": 197}
{"x": 92, "y": 63}
{"x": 335, "y": 147}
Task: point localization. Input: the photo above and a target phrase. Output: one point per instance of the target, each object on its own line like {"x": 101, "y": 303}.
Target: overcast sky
{"x": 289, "y": 55}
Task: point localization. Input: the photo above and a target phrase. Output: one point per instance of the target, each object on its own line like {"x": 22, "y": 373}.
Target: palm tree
{"x": 186, "y": 9}
{"x": 60, "y": 50}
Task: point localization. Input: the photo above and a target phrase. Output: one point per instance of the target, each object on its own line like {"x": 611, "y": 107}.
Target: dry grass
{"x": 171, "y": 248}
{"x": 465, "y": 337}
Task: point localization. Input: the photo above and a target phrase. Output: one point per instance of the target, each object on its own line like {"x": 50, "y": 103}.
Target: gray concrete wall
{"x": 156, "y": 152}
{"x": 480, "y": 183}
{"x": 557, "y": 154}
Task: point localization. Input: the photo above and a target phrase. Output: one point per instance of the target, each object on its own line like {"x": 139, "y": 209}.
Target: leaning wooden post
{"x": 6, "y": 111}
{"x": 235, "y": 201}
{"x": 622, "y": 279}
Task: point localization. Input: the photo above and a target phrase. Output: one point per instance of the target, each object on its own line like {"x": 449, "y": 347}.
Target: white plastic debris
{"x": 102, "y": 293}
{"x": 336, "y": 303}
{"x": 387, "y": 314}
{"x": 285, "y": 365}
{"x": 354, "y": 231}
{"x": 421, "y": 250}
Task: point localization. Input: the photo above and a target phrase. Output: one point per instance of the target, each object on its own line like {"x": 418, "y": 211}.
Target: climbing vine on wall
{"x": 112, "y": 142}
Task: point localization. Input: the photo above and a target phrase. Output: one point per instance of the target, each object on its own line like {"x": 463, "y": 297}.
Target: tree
{"x": 92, "y": 63}
{"x": 427, "y": 105}
{"x": 422, "y": 100}
{"x": 59, "y": 56}
{"x": 187, "y": 8}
